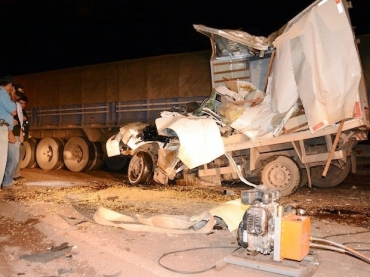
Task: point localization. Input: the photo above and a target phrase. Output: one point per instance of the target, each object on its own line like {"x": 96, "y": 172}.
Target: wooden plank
{"x": 333, "y": 148}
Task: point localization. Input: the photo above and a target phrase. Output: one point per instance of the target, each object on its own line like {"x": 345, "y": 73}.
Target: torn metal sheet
{"x": 230, "y": 212}
{"x": 256, "y": 121}
{"x": 325, "y": 64}
{"x": 171, "y": 224}
{"x": 284, "y": 88}
{"x": 72, "y": 220}
{"x": 200, "y": 138}
{"x": 316, "y": 60}
{"x": 241, "y": 37}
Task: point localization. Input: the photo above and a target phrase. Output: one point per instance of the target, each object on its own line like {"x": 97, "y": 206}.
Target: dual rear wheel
{"x": 49, "y": 153}
{"x": 77, "y": 154}
{"x": 80, "y": 154}
{"x": 29, "y": 158}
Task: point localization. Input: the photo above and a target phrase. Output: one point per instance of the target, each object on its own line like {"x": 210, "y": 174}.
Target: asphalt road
{"x": 36, "y": 228}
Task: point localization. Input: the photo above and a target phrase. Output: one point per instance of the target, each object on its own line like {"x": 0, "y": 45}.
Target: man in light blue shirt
{"x": 7, "y": 113}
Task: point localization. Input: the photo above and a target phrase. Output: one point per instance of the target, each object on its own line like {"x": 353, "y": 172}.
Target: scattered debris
{"x": 63, "y": 271}
{"x": 72, "y": 220}
{"x": 44, "y": 257}
{"x": 114, "y": 275}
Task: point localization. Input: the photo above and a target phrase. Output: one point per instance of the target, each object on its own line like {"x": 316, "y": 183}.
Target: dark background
{"x": 38, "y": 36}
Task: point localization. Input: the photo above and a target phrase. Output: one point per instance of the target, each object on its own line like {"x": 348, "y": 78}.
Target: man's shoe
{"x": 13, "y": 185}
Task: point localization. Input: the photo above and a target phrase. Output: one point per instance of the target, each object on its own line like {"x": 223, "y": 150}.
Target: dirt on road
{"x": 56, "y": 208}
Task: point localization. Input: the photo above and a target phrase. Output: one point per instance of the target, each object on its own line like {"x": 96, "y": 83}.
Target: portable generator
{"x": 267, "y": 227}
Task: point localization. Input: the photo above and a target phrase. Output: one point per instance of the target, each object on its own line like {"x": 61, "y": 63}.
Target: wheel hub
{"x": 49, "y": 153}
{"x": 78, "y": 154}
{"x": 279, "y": 176}
{"x": 137, "y": 167}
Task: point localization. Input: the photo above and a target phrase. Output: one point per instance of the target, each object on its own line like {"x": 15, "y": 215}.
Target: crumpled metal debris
{"x": 72, "y": 220}
{"x": 44, "y": 257}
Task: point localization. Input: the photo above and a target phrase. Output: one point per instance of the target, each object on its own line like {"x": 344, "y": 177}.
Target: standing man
{"x": 7, "y": 112}
{"x": 21, "y": 129}
{"x": 13, "y": 148}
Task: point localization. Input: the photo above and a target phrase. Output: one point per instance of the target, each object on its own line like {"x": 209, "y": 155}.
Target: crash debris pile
{"x": 240, "y": 107}
{"x": 247, "y": 110}
{"x": 310, "y": 62}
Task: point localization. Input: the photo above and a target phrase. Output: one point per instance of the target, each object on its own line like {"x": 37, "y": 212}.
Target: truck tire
{"x": 304, "y": 178}
{"x": 61, "y": 143}
{"x": 49, "y": 153}
{"x": 78, "y": 154}
{"x": 334, "y": 176}
{"x": 98, "y": 158}
{"x": 117, "y": 163}
{"x": 140, "y": 169}
{"x": 29, "y": 159}
{"x": 280, "y": 173}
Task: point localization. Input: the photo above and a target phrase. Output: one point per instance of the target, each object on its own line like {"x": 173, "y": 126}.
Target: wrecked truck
{"x": 288, "y": 108}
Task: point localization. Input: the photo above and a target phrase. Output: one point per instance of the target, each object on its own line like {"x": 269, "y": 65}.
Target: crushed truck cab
{"x": 288, "y": 108}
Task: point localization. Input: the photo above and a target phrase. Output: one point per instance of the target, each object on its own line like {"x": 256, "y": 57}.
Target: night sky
{"x": 39, "y": 36}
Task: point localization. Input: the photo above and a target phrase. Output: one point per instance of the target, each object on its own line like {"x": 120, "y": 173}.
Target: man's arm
{"x": 8, "y": 104}
{"x": 11, "y": 137}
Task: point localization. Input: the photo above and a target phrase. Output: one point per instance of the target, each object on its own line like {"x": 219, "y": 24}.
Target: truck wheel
{"x": 49, "y": 153}
{"x": 334, "y": 176}
{"x": 304, "y": 178}
{"x": 98, "y": 158}
{"x": 61, "y": 143}
{"x": 78, "y": 154}
{"x": 117, "y": 163}
{"x": 140, "y": 168}
{"x": 29, "y": 159}
{"x": 280, "y": 173}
